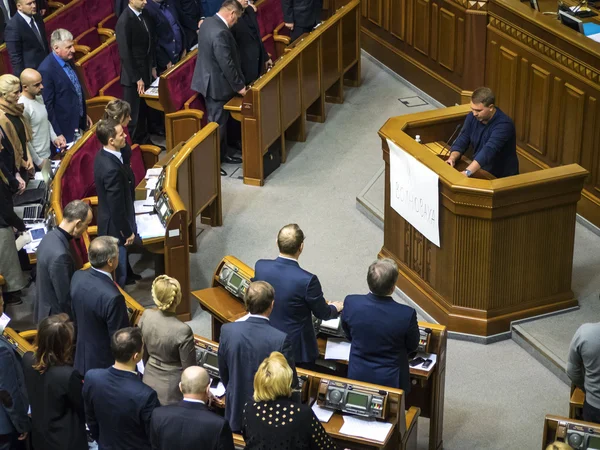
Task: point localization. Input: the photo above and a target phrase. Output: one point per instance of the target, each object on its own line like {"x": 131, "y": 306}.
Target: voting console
{"x": 224, "y": 301}
{"x": 578, "y": 434}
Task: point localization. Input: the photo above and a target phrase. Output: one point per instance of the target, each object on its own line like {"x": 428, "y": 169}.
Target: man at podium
{"x": 492, "y": 135}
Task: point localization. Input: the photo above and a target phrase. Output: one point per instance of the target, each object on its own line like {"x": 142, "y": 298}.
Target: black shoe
{"x": 12, "y": 298}
{"x": 223, "y": 173}
{"x": 134, "y": 276}
{"x": 237, "y": 145}
{"x": 129, "y": 281}
{"x": 232, "y": 160}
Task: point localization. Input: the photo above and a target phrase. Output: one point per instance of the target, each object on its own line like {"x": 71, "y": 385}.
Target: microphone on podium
{"x": 447, "y": 145}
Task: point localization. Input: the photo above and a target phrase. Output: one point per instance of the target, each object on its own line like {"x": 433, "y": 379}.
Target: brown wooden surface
{"x": 555, "y": 429}
{"x": 576, "y": 403}
{"x": 23, "y": 346}
{"x": 499, "y": 260}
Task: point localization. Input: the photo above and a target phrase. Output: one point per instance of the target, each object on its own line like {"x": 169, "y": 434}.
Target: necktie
{"x": 36, "y": 31}
{"x": 73, "y": 77}
{"x": 147, "y": 31}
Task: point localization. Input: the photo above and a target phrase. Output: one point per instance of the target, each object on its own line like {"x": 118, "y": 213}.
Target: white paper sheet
{"x": 431, "y": 356}
{"x": 143, "y": 206}
{"x": 595, "y": 37}
{"x": 219, "y": 391}
{"x": 4, "y": 319}
{"x": 337, "y": 349}
{"x": 323, "y": 414}
{"x": 151, "y": 183}
{"x": 149, "y": 226}
{"x": 153, "y": 172}
{"x": 331, "y": 324}
{"x": 365, "y": 428}
{"x": 140, "y": 367}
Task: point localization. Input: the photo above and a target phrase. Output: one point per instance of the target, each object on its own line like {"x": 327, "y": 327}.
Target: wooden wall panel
{"x": 421, "y": 28}
{"x": 397, "y": 18}
{"x": 537, "y": 117}
{"x": 572, "y": 120}
{"x": 435, "y": 12}
{"x": 375, "y": 12}
{"x": 460, "y": 49}
{"x": 507, "y": 80}
{"x": 447, "y": 38}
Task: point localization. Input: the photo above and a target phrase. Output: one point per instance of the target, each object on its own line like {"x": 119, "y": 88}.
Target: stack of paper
{"x": 151, "y": 183}
{"x": 219, "y": 391}
{"x": 365, "y": 428}
{"x": 149, "y": 226}
{"x": 153, "y": 172}
{"x": 4, "y": 319}
{"x": 337, "y": 348}
{"x": 143, "y": 206}
{"x": 323, "y": 414}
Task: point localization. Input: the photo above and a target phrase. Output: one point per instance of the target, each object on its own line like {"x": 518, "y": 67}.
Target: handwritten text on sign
{"x": 415, "y": 193}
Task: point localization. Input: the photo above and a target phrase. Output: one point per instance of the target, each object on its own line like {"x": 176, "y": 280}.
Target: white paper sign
{"x": 415, "y": 193}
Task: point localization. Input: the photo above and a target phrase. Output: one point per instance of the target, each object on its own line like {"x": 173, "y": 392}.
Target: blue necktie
{"x": 73, "y": 77}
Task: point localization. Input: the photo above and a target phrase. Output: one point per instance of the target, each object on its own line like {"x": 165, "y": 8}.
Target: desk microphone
{"x": 447, "y": 144}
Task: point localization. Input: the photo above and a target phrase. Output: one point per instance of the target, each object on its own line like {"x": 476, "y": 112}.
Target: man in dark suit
{"x": 254, "y": 57}
{"x": 137, "y": 51}
{"x": 118, "y": 405}
{"x": 298, "y": 295}
{"x": 382, "y": 331}
{"x": 14, "y": 421}
{"x": 190, "y": 425}
{"x": 190, "y": 12}
{"x": 99, "y": 308}
{"x": 63, "y": 94}
{"x": 218, "y": 74}
{"x": 25, "y": 37}
{"x": 244, "y": 345}
{"x": 170, "y": 39}
{"x": 116, "y": 213}
{"x": 301, "y": 16}
{"x": 55, "y": 264}
{"x": 8, "y": 9}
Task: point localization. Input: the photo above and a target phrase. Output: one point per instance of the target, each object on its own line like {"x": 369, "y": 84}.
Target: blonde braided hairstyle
{"x": 166, "y": 292}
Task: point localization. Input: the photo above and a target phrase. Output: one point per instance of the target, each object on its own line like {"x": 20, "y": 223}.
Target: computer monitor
{"x": 571, "y": 21}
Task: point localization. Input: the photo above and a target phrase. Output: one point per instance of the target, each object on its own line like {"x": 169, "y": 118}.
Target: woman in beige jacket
{"x": 169, "y": 343}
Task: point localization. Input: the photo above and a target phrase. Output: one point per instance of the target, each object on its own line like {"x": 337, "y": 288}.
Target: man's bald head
{"x": 290, "y": 240}
{"x": 31, "y": 81}
{"x": 194, "y": 381}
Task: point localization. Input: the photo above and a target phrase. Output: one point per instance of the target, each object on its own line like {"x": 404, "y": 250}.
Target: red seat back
{"x": 5, "y": 66}
{"x": 99, "y": 68}
{"x": 78, "y": 179}
{"x": 99, "y": 10}
{"x": 74, "y": 17}
{"x": 90, "y": 38}
{"x": 177, "y": 85}
{"x": 269, "y": 16}
{"x": 137, "y": 164}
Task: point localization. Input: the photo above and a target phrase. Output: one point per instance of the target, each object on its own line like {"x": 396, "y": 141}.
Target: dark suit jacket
{"x": 56, "y": 406}
{"x": 98, "y": 311}
{"x": 189, "y": 426}
{"x": 136, "y": 47}
{"x": 55, "y": 268}
{"x": 190, "y": 12}
{"x": 218, "y": 72}
{"x": 4, "y": 20}
{"x": 118, "y": 409}
{"x": 61, "y": 100}
{"x": 120, "y": 6}
{"x": 298, "y": 293}
{"x": 116, "y": 214}
{"x": 382, "y": 333}
{"x": 242, "y": 348}
{"x": 13, "y": 418}
{"x": 164, "y": 35}
{"x": 252, "y": 51}
{"x": 24, "y": 49}
{"x": 302, "y": 13}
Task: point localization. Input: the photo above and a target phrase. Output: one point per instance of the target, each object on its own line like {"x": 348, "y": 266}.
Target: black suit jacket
{"x": 58, "y": 420}
{"x": 55, "y": 267}
{"x": 252, "y": 51}
{"x": 24, "y": 49}
{"x": 118, "y": 409}
{"x": 98, "y": 311}
{"x": 189, "y": 426}
{"x": 116, "y": 213}
{"x": 136, "y": 47}
{"x": 242, "y": 348}
{"x": 190, "y": 12}
{"x": 12, "y": 10}
{"x": 218, "y": 72}
{"x": 302, "y": 13}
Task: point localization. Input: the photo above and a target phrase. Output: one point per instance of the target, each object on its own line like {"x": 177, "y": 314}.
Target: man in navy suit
{"x": 298, "y": 295}
{"x": 118, "y": 405}
{"x": 25, "y": 37}
{"x": 63, "y": 93}
{"x": 99, "y": 308}
{"x": 190, "y": 425}
{"x": 244, "y": 345}
{"x": 382, "y": 331}
{"x": 170, "y": 39}
{"x": 116, "y": 213}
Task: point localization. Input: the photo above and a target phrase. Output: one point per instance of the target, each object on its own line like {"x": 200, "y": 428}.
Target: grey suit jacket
{"x": 218, "y": 72}
{"x": 55, "y": 268}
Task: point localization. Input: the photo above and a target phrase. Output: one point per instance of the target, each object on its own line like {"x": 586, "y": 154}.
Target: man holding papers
{"x": 116, "y": 213}
{"x": 382, "y": 331}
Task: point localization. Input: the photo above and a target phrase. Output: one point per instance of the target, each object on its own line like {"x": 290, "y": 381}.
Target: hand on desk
{"x": 338, "y": 305}
{"x": 450, "y": 161}
{"x": 269, "y": 64}
{"x": 243, "y": 91}
{"x": 140, "y": 87}
{"x": 290, "y": 26}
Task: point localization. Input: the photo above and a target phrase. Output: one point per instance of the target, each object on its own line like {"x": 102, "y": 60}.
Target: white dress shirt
{"x": 104, "y": 273}
{"x": 193, "y": 400}
{"x": 115, "y": 153}
{"x": 224, "y": 21}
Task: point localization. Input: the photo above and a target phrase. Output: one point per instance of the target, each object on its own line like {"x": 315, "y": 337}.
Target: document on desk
{"x": 337, "y": 348}
{"x": 595, "y": 37}
{"x": 365, "y": 428}
{"x": 425, "y": 356}
{"x": 153, "y": 172}
{"x": 323, "y": 414}
{"x": 149, "y": 226}
{"x": 4, "y": 319}
{"x": 151, "y": 183}
{"x": 331, "y": 324}
{"x": 219, "y": 391}
{"x": 143, "y": 206}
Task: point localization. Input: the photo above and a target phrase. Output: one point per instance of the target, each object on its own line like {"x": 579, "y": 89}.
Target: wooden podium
{"x": 506, "y": 245}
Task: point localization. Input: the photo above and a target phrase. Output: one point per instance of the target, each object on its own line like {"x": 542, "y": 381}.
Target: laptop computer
{"x": 35, "y": 192}
{"x": 30, "y": 213}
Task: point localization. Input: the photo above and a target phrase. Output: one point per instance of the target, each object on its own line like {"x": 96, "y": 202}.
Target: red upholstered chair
{"x": 109, "y": 22}
{"x": 175, "y": 84}
{"x": 94, "y": 37}
{"x": 78, "y": 179}
{"x": 73, "y": 17}
{"x": 5, "y": 66}
{"x": 98, "y": 10}
{"x": 97, "y": 69}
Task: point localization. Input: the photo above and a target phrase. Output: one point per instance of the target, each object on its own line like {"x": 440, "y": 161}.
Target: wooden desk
{"x": 21, "y": 344}
{"x": 428, "y": 388}
{"x": 556, "y": 429}
{"x": 495, "y": 264}
{"x": 576, "y": 403}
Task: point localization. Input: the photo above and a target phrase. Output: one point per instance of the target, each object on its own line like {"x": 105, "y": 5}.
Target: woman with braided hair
{"x": 168, "y": 342}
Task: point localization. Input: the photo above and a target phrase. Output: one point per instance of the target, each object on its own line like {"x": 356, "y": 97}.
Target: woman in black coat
{"x": 54, "y": 388}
